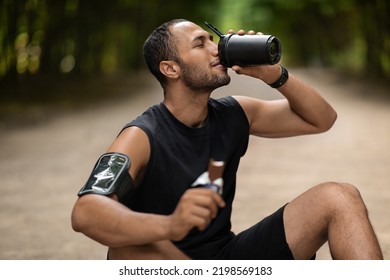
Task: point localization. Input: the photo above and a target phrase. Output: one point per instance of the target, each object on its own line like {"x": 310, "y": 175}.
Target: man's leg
{"x": 335, "y": 213}
{"x": 163, "y": 250}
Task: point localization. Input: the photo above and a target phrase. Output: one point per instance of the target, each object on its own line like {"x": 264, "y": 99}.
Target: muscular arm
{"x": 112, "y": 224}
{"x": 109, "y": 222}
{"x": 303, "y": 111}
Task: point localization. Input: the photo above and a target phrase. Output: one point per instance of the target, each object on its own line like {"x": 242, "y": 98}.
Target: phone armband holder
{"x": 110, "y": 175}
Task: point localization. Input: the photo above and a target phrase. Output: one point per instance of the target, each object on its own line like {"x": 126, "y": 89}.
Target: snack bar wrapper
{"x": 212, "y": 178}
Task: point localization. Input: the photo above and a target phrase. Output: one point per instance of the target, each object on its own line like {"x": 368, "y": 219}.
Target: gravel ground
{"x": 43, "y": 165}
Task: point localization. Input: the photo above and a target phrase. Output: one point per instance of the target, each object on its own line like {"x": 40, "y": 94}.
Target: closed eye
{"x": 199, "y": 41}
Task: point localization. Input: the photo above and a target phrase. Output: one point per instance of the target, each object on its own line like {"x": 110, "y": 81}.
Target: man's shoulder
{"x": 227, "y": 104}
{"x": 148, "y": 120}
{"x": 223, "y": 102}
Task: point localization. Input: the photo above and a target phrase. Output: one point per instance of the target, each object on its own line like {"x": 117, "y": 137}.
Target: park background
{"x": 46, "y": 46}
{"x": 72, "y": 73}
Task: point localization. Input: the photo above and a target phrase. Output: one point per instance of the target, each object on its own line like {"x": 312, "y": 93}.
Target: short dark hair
{"x": 158, "y": 47}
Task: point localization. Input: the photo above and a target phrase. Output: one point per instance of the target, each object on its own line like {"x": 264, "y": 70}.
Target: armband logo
{"x": 110, "y": 175}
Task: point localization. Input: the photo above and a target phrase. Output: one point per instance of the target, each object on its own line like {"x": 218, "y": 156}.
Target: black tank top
{"x": 179, "y": 154}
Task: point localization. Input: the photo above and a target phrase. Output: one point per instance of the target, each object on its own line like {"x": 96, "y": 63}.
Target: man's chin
{"x": 227, "y": 80}
{"x": 223, "y": 82}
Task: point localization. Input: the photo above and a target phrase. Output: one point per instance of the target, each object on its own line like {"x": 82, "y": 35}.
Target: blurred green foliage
{"x": 347, "y": 34}
{"x": 81, "y": 36}
{"x": 76, "y": 38}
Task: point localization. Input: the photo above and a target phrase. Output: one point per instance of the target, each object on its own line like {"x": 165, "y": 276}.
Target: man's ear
{"x": 170, "y": 69}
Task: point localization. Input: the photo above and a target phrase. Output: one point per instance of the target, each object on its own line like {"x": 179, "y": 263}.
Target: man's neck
{"x": 189, "y": 108}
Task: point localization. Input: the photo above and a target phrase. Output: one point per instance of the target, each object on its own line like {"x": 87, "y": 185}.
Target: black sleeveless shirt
{"x": 179, "y": 154}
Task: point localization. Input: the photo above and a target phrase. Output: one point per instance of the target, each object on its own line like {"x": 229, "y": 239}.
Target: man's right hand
{"x": 196, "y": 208}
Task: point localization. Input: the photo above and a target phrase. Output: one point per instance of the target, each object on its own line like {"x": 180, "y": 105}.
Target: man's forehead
{"x": 186, "y": 27}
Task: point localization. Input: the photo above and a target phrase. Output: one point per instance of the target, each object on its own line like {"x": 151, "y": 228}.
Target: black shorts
{"x": 264, "y": 241}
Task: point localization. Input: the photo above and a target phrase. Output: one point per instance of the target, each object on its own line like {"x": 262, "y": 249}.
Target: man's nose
{"x": 214, "y": 49}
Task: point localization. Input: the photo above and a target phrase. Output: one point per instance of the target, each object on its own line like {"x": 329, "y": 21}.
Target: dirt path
{"x": 43, "y": 166}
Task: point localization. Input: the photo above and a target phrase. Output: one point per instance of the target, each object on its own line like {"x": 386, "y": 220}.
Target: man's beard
{"x": 196, "y": 79}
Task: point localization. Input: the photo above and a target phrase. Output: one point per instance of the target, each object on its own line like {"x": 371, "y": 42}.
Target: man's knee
{"x": 340, "y": 195}
{"x": 342, "y": 190}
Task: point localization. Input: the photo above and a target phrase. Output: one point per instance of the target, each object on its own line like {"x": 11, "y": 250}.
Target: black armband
{"x": 110, "y": 175}
{"x": 282, "y": 79}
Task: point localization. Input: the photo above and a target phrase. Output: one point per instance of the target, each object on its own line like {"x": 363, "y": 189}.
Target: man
{"x": 170, "y": 145}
